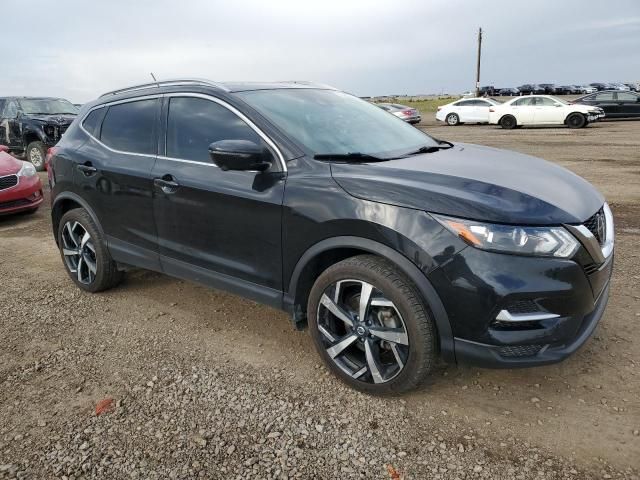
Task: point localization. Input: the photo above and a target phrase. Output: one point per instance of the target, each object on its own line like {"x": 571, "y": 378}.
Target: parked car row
{"x": 529, "y": 110}
{"x": 553, "y": 89}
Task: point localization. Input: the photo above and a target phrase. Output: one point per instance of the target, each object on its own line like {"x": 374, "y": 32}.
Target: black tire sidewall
{"x": 583, "y": 120}
{"x": 103, "y": 259}
{"x": 419, "y": 347}
{"x": 43, "y": 153}
{"x": 508, "y": 122}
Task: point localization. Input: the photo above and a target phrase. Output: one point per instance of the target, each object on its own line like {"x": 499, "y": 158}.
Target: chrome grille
{"x": 596, "y": 224}
{"x": 8, "y": 181}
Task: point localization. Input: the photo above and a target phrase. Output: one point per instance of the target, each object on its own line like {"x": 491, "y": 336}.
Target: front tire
{"x": 576, "y": 120}
{"x": 371, "y": 326}
{"x": 453, "y": 119}
{"x": 84, "y": 252}
{"x": 508, "y": 122}
{"x": 36, "y": 154}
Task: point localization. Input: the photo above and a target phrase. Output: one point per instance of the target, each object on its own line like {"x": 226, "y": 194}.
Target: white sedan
{"x": 469, "y": 110}
{"x": 542, "y": 110}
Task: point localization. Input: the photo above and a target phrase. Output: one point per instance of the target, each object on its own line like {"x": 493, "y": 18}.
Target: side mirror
{"x": 239, "y": 155}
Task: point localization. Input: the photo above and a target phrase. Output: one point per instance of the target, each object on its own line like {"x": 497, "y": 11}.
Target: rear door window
{"x": 93, "y": 122}
{"x": 195, "y": 123}
{"x": 130, "y": 127}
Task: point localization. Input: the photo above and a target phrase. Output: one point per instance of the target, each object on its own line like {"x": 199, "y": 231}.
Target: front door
{"x": 548, "y": 111}
{"x": 222, "y": 228}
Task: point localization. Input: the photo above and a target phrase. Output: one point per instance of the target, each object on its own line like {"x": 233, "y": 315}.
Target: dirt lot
{"x": 209, "y": 385}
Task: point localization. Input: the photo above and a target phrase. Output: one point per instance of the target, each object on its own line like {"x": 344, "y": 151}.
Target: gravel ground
{"x": 208, "y": 385}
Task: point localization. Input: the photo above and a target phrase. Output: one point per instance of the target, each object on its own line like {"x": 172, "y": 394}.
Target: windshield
{"x": 47, "y": 106}
{"x": 331, "y": 122}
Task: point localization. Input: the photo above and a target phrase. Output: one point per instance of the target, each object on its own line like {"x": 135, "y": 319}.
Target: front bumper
{"x": 26, "y": 195}
{"x": 566, "y": 299}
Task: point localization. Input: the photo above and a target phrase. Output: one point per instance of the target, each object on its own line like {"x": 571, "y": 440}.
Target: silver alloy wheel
{"x": 362, "y": 331}
{"x": 35, "y": 157}
{"x": 79, "y": 252}
{"x": 452, "y": 119}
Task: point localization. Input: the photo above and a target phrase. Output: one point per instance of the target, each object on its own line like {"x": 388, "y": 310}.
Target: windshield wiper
{"x": 350, "y": 157}
{"x": 442, "y": 145}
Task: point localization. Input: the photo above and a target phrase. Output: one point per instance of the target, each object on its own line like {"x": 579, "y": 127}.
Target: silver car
{"x": 408, "y": 114}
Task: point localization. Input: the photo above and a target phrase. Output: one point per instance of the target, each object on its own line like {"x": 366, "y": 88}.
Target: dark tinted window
{"x": 195, "y": 123}
{"x": 129, "y": 127}
{"x": 465, "y": 103}
{"x": 93, "y": 121}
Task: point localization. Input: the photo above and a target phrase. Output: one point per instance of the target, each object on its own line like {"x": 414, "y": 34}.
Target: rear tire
{"x": 36, "y": 154}
{"x": 508, "y": 122}
{"x": 576, "y": 120}
{"x": 369, "y": 363}
{"x": 84, "y": 253}
{"x": 453, "y": 119}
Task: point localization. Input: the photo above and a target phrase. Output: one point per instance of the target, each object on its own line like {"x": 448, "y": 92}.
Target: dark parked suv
{"x": 391, "y": 246}
{"x": 30, "y": 125}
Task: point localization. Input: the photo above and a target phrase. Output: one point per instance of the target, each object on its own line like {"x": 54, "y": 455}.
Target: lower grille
{"x": 523, "y": 306}
{"x": 14, "y": 203}
{"x": 520, "y": 350}
{"x": 8, "y": 181}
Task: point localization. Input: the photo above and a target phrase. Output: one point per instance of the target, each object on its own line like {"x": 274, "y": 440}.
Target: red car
{"x": 20, "y": 186}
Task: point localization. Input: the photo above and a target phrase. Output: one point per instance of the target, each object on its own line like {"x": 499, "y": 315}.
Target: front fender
{"x": 411, "y": 270}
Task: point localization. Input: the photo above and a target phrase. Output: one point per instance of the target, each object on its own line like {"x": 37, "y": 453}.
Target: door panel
{"x": 225, "y": 223}
{"x": 118, "y": 184}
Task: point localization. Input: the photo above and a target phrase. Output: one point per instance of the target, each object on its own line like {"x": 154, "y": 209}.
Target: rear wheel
{"x": 36, "y": 154}
{"x": 453, "y": 119}
{"x": 508, "y": 122}
{"x": 576, "y": 120}
{"x": 371, "y": 327}
{"x": 84, "y": 253}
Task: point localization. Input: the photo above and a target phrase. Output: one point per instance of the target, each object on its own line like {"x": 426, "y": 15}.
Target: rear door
{"x": 113, "y": 173}
{"x": 465, "y": 110}
{"x": 548, "y": 111}
{"x": 607, "y": 101}
{"x": 481, "y": 110}
{"x": 219, "y": 227}
{"x": 628, "y": 104}
{"x": 522, "y": 109}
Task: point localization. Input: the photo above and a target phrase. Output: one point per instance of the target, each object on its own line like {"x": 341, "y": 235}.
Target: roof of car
{"x": 32, "y": 98}
{"x": 224, "y": 86}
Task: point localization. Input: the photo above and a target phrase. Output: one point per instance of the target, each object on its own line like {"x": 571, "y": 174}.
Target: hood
{"x": 53, "y": 119}
{"x": 8, "y": 164}
{"x": 475, "y": 182}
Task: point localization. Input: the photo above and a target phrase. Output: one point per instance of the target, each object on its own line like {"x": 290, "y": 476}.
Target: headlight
{"x": 539, "y": 241}
{"x": 27, "y": 170}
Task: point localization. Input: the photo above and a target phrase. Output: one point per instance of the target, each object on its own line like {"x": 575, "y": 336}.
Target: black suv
{"x": 391, "y": 246}
{"x": 30, "y": 125}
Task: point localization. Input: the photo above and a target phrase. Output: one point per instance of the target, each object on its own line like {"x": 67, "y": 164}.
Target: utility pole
{"x": 478, "y": 64}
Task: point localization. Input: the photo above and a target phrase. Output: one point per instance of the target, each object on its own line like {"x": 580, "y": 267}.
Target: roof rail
{"x": 310, "y": 84}
{"x": 168, "y": 83}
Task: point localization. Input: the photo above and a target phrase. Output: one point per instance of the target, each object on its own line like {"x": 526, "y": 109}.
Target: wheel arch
{"x": 508, "y": 115}
{"x": 332, "y": 250}
{"x": 68, "y": 201}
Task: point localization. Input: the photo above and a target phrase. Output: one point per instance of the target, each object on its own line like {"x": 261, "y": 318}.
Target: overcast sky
{"x": 78, "y": 48}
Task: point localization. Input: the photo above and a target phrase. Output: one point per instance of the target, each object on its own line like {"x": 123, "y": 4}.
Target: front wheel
{"x": 36, "y": 154}
{"x": 576, "y": 120}
{"x": 371, "y": 326}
